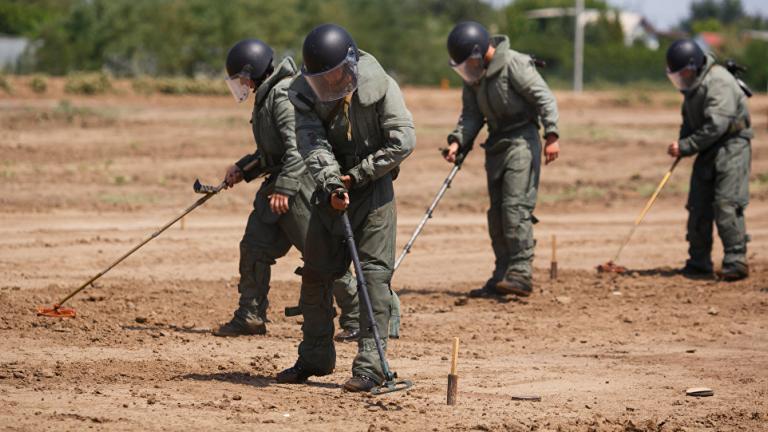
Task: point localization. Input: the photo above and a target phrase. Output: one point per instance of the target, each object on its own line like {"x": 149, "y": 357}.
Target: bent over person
{"x": 353, "y": 130}
{"x": 280, "y": 216}
{"x": 717, "y": 128}
{"x": 503, "y": 88}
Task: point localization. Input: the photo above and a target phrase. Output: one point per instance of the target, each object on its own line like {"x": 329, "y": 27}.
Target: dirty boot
{"x": 732, "y": 272}
{"x": 295, "y": 374}
{"x": 237, "y": 327}
{"x": 515, "y": 284}
{"x": 347, "y": 335}
{"x": 487, "y": 290}
{"x": 696, "y": 271}
{"x": 359, "y": 383}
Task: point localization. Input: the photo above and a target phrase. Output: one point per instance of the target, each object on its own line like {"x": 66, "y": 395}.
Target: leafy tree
{"x": 723, "y": 11}
{"x": 24, "y": 17}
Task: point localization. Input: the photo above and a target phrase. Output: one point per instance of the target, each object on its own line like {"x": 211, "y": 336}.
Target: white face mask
{"x": 472, "y": 69}
{"x": 238, "y": 86}
{"x": 684, "y": 78}
{"x": 335, "y": 83}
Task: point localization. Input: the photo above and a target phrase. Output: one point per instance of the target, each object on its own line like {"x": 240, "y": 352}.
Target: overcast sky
{"x": 666, "y": 13}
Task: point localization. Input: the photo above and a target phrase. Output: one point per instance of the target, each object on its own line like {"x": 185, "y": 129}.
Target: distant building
{"x": 761, "y": 35}
{"x": 634, "y": 26}
{"x": 11, "y": 50}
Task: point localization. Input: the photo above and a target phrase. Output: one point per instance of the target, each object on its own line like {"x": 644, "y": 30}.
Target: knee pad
{"x": 369, "y": 345}
{"x": 378, "y": 283}
{"x": 519, "y": 228}
{"x": 316, "y": 307}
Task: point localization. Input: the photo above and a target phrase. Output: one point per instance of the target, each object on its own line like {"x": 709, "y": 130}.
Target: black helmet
{"x": 250, "y": 58}
{"x": 684, "y": 53}
{"x": 325, "y": 47}
{"x": 467, "y": 38}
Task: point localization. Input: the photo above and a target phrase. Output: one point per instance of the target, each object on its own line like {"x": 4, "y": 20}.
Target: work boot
{"x": 696, "y": 271}
{"x": 515, "y": 284}
{"x": 347, "y": 335}
{"x": 487, "y": 291}
{"x": 732, "y": 272}
{"x": 295, "y": 374}
{"x": 238, "y": 327}
{"x": 359, "y": 383}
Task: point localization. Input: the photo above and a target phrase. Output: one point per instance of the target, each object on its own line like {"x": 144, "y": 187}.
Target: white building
{"x": 11, "y": 49}
{"x": 634, "y": 26}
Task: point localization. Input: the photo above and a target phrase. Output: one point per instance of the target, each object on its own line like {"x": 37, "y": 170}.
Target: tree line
{"x": 191, "y": 37}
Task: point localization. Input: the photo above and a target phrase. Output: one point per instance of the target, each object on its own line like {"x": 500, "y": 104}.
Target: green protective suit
{"x": 513, "y": 99}
{"x": 366, "y": 137}
{"x": 269, "y": 236}
{"x": 717, "y": 126}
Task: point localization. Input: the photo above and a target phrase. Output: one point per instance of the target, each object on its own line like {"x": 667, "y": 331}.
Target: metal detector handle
{"x": 428, "y": 215}
{"x": 362, "y": 289}
{"x": 460, "y": 156}
{"x": 209, "y": 191}
{"x": 647, "y": 207}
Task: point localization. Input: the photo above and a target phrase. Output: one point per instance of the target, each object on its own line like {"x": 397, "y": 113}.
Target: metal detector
{"x": 57, "y": 311}
{"x": 390, "y": 384}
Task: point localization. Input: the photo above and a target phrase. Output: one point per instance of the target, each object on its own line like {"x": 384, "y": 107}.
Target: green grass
{"x": 88, "y": 83}
{"x": 7, "y": 170}
{"x": 179, "y": 86}
{"x": 69, "y": 112}
{"x": 5, "y": 85}
{"x": 571, "y": 193}
{"x": 126, "y": 198}
{"x": 38, "y": 84}
{"x": 760, "y": 182}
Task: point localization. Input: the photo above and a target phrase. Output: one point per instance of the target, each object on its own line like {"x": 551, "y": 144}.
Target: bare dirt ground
{"x": 82, "y": 179}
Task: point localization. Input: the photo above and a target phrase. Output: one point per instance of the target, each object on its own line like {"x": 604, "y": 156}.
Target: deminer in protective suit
{"x": 503, "y": 89}
{"x": 353, "y": 131}
{"x": 281, "y": 212}
{"x": 716, "y": 127}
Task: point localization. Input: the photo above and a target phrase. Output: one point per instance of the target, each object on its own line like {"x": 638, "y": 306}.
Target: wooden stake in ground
{"x": 453, "y": 379}
{"x": 553, "y": 263}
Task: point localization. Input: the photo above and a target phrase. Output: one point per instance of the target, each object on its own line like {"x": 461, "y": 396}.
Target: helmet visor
{"x": 472, "y": 69}
{"x": 684, "y": 78}
{"x": 238, "y": 86}
{"x": 335, "y": 83}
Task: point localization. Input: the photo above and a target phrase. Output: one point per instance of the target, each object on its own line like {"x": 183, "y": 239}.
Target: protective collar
{"x": 286, "y": 69}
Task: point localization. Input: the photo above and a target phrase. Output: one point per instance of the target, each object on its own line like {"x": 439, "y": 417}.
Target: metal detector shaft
{"x": 647, "y": 207}
{"x": 208, "y": 194}
{"x": 431, "y": 209}
{"x": 362, "y": 288}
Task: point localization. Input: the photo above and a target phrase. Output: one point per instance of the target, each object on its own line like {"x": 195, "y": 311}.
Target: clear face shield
{"x": 472, "y": 69}
{"x": 684, "y": 78}
{"x": 240, "y": 86}
{"x": 336, "y": 83}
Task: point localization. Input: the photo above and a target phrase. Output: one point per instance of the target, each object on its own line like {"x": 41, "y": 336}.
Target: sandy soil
{"x": 83, "y": 179}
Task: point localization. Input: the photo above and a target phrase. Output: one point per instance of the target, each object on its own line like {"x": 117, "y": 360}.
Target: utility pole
{"x": 578, "y": 49}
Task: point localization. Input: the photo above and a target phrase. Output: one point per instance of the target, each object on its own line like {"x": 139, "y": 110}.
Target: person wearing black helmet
{"x": 717, "y": 128}
{"x": 353, "y": 130}
{"x": 503, "y": 89}
{"x": 280, "y": 216}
